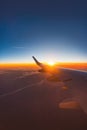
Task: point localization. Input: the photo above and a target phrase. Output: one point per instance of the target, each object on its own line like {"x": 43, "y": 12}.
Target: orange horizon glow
{"x": 74, "y": 65}
{"x": 32, "y": 63}
{"x": 16, "y": 65}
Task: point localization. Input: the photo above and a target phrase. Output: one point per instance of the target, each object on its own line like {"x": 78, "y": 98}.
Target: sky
{"x": 48, "y": 29}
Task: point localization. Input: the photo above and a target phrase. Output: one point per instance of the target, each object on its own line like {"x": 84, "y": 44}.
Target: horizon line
{"x": 42, "y": 62}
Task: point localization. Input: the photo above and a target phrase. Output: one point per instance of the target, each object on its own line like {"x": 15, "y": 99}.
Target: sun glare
{"x": 51, "y": 63}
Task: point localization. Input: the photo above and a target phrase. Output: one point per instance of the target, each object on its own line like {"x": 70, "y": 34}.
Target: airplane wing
{"x": 75, "y": 80}
{"x": 37, "y": 62}
{"x": 42, "y": 66}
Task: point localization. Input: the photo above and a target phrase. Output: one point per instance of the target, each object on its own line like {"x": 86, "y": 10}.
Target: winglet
{"x": 37, "y": 62}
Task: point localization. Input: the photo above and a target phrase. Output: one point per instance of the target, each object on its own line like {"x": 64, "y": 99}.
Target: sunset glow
{"x": 51, "y": 63}
{"x": 80, "y": 66}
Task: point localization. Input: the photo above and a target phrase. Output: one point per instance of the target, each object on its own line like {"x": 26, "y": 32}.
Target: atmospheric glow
{"x": 51, "y": 63}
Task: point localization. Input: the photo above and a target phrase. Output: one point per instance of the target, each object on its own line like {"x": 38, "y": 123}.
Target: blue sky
{"x": 46, "y": 29}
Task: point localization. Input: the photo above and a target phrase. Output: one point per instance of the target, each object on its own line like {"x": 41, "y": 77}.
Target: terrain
{"x": 29, "y": 101}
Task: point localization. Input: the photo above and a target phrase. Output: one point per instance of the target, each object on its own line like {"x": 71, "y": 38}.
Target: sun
{"x": 51, "y": 63}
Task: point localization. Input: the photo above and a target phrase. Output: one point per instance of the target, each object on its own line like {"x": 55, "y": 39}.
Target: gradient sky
{"x": 47, "y": 29}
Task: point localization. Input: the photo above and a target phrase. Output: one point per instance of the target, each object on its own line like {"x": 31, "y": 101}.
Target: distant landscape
{"x": 29, "y": 101}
